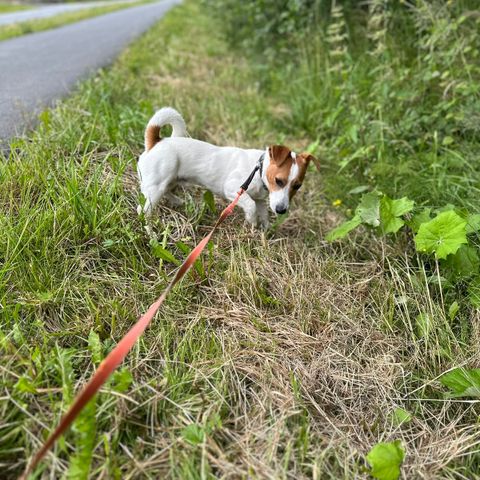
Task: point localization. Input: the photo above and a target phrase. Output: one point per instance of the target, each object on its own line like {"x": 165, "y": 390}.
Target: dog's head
{"x": 284, "y": 175}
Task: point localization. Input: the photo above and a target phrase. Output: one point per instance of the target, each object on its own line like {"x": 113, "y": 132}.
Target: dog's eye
{"x": 297, "y": 186}
{"x": 279, "y": 182}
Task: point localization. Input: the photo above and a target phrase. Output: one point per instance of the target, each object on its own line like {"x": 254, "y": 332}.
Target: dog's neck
{"x": 258, "y": 189}
{"x": 263, "y": 162}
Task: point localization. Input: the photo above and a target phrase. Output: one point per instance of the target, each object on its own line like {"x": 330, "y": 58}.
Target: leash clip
{"x": 258, "y": 167}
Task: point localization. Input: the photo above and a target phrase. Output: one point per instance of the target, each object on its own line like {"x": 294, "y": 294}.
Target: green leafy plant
{"x": 401, "y": 416}
{"x": 378, "y": 211}
{"x": 462, "y": 382}
{"x": 84, "y": 429}
{"x": 446, "y": 236}
{"x": 385, "y": 460}
{"x": 344, "y": 229}
{"x": 121, "y": 380}
{"x": 391, "y": 212}
{"x": 162, "y": 253}
{"x": 443, "y": 235}
{"x": 193, "y": 434}
{"x": 95, "y": 346}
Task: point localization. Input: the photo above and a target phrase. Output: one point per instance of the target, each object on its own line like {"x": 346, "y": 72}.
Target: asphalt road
{"x": 39, "y": 68}
{"x": 45, "y": 11}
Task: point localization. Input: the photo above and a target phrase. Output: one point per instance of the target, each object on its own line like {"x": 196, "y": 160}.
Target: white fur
{"x": 169, "y": 116}
{"x": 220, "y": 169}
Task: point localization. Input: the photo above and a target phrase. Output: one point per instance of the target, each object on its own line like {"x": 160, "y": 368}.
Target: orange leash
{"x": 117, "y": 355}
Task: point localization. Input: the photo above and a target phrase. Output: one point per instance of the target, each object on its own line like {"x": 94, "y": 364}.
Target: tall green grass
{"x": 389, "y": 90}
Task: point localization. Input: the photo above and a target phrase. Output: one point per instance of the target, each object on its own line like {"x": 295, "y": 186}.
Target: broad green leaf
{"x": 344, "y": 229}
{"x": 369, "y": 209}
{"x": 390, "y": 212}
{"x": 443, "y": 235}
{"x": 193, "y": 434}
{"x": 95, "y": 346}
{"x": 465, "y": 262}
{"x": 473, "y": 223}
{"x": 385, "y": 460}
{"x": 462, "y": 382}
{"x": 401, "y": 416}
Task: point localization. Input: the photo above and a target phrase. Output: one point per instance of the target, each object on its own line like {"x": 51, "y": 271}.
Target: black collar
{"x": 260, "y": 169}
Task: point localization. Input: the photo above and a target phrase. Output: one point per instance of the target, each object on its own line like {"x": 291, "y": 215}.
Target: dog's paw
{"x": 251, "y": 219}
{"x": 264, "y": 224}
{"x": 263, "y": 221}
{"x": 173, "y": 200}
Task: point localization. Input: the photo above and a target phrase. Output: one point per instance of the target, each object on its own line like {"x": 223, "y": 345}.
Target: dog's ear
{"x": 306, "y": 158}
{"x": 278, "y": 154}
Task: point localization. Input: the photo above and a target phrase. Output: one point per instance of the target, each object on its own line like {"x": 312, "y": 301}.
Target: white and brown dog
{"x": 178, "y": 159}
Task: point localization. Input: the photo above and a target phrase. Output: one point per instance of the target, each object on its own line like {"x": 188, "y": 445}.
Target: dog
{"x": 169, "y": 161}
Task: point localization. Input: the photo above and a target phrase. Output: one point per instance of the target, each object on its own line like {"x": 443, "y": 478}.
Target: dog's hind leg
{"x": 153, "y": 193}
{"x": 173, "y": 200}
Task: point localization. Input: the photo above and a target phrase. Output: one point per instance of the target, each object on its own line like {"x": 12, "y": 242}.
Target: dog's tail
{"x": 164, "y": 116}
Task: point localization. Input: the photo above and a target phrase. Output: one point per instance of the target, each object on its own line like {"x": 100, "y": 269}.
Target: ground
{"x": 281, "y": 356}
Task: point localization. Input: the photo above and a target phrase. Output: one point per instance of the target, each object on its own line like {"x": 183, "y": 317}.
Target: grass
{"x": 41, "y": 24}
{"x": 288, "y": 361}
{"x": 12, "y": 7}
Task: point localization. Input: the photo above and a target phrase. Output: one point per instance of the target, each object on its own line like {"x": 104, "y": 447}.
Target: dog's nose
{"x": 280, "y": 210}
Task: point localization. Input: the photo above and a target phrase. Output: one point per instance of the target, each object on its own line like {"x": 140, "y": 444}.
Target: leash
{"x": 118, "y": 354}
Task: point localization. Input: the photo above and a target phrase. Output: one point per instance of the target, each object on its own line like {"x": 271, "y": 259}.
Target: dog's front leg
{"x": 245, "y": 203}
{"x": 250, "y": 209}
{"x": 262, "y": 212}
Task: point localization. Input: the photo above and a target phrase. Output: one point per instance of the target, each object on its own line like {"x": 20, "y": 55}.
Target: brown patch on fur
{"x": 152, "y": 136}
{"x": 303, "y": 159}
{"x": 281, "y": 162}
